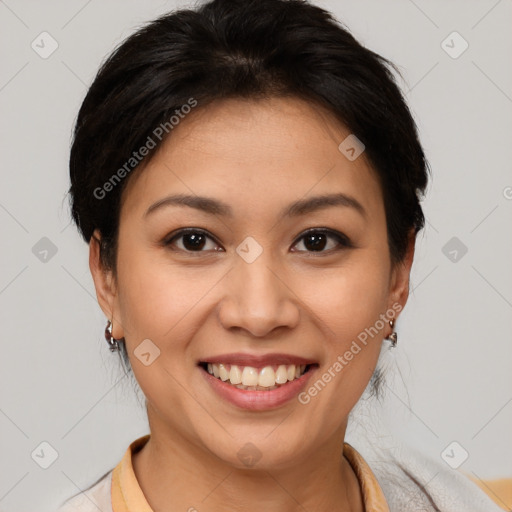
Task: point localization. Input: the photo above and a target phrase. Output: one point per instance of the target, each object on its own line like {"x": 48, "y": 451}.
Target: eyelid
{"x": 184, "y": 231}
{"x": 343, "y": 240}
{"x": 341, "y": 237}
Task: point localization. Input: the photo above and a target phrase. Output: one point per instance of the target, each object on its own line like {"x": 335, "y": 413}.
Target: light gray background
{"x": 59, "y": 382}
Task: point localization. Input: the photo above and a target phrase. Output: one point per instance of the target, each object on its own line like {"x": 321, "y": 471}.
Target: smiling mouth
{"x": 256, "y": 379}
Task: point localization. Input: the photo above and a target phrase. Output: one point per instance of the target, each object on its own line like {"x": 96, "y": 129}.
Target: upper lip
{"x": 257, "y": 361}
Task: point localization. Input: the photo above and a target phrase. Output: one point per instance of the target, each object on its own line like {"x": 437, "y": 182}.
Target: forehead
{"x": 246, "y": 151}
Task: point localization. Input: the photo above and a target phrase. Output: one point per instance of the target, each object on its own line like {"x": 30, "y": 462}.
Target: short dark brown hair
{"x": 241, "y": 49}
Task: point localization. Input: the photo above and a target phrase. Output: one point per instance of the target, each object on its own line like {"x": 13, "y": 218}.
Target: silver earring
{"x": 113, "y": 343}
{"x": 393, "y": 337}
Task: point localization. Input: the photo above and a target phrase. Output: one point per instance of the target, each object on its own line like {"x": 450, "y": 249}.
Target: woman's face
{"x": 248, "y": 288}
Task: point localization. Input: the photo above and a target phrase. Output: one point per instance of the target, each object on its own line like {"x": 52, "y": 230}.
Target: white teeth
{"x": 235, "y": 375}
{"x": 247, "y": 377}
{"x": 250, "y": 376}
{"x": 267, "y": 377}
{"x": 223, "y": 373}
{"x": 281, "y": 375}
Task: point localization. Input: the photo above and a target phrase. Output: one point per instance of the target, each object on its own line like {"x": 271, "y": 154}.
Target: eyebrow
{"x": 216, "y": 207}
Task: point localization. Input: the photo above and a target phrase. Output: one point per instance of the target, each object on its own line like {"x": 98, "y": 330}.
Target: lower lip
{"x": 258, "y": 400}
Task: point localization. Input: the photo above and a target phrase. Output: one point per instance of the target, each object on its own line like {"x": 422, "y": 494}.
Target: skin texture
{"x": 258, "y": 157}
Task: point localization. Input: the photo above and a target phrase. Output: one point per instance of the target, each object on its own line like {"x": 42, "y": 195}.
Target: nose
{"x": 258, "y": 299}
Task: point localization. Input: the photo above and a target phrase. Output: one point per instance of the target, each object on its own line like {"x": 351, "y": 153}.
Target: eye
{"x": 315, "y": 240}
{"x": 192, "y": 240}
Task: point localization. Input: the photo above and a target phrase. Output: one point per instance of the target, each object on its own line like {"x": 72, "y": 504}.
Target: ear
{"x": 400, "y": 275}
{"x": 105, "y": 285}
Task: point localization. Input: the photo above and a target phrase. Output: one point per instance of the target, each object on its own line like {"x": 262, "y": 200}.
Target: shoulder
{"x": 94, "y": 498}
{"x": 423, "y": 481}
{"x": 411, "y": 480}
{"x": 500, "y": 490}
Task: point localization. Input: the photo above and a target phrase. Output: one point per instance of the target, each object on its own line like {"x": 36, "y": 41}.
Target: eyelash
{"x": 343, "y": 241}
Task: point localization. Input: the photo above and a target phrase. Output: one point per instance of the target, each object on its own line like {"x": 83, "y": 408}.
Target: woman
{"x": 248, "y": 178}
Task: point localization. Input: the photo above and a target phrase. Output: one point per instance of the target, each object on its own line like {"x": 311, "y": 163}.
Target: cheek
{"x": 157, "y": 302}
{"x": 350, "y": 298}
{"x": 348, "y": 304}
{"x": 155, "y": 295}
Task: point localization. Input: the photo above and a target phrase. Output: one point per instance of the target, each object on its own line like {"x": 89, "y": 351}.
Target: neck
{"x": 174, "y": 473}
